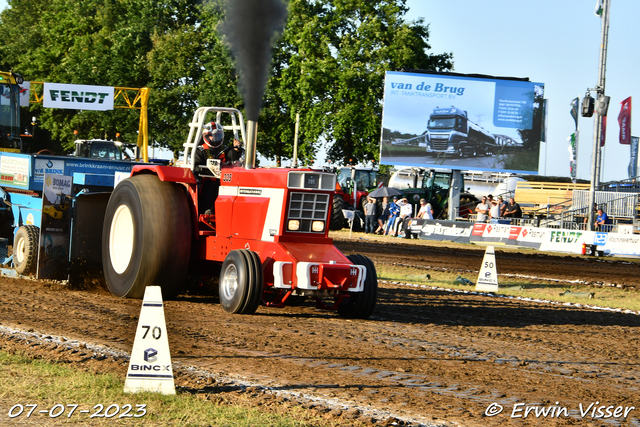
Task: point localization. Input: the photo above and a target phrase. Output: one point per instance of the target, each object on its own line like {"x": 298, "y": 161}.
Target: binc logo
{"x": 150, "y": 355}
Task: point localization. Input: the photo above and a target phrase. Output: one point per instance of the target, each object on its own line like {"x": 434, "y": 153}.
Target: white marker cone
{"x": 150, "y": 364}
{"x": 488, "y": 276}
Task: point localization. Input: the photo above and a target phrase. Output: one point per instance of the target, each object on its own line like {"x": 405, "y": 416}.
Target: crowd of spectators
{"x": 492, "y": 209}
{"x": 394, "y": 215}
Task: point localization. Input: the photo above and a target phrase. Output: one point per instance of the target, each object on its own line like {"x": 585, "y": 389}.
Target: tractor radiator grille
{"x": 308, "y": 207}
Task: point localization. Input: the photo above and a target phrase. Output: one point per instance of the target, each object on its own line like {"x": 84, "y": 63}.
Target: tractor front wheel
{"x": 240, "y": 286}
{"x": 360, "y": 305}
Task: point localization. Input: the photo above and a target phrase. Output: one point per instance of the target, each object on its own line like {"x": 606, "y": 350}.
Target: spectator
{"x": 513, "y": 210}
{"x": 406, "y": 211}
{"x": 602, "y": 221}
{"x": 394, "y": 211}
{"x": 384, "y": 216}
{"x": 482, "y": 209}
{"x": 370, "y": 215}
{"x": 503, "y": 205}
{"x": 494, "y": 210}
{"x": 426, "y": 211}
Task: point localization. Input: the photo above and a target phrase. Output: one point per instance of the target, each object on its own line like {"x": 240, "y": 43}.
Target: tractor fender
{"x": 166, "y": 173}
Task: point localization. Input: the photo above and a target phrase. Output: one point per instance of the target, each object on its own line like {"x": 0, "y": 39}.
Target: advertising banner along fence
{"x": 461, "y": 122}
{"x": 543, "y": 239}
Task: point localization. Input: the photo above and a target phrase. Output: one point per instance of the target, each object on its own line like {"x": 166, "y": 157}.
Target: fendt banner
{"x": 461, "y": 122}
{"x": 78, "y": 97}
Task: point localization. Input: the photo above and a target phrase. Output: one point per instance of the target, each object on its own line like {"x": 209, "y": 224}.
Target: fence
{"x": 615, "y": 204}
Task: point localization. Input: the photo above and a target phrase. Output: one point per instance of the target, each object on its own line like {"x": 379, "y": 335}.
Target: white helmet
{"x": 212, "y": 135}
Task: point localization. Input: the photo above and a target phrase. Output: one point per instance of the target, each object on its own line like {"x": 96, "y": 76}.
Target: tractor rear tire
{"x": 25, "y": 249}
{"x": 146, "y": 237}
{"x": 337, "y": 217}
{"x": 240, "y": 286}
{"x": 360, "y": 305}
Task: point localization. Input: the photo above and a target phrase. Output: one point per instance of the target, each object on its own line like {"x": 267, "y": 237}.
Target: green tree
{"x": 330, "y": 67}
{"x": 99, "y": 42}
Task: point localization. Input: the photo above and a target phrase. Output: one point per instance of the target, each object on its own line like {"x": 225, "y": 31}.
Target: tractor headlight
{"x": 293, "y": 225}
{"x": 317, "y": 226}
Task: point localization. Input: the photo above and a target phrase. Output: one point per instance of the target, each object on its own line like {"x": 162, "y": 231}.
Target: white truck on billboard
{"x": 450, "y": 131}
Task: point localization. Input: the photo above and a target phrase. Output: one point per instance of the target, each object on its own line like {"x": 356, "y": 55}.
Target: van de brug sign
{"x": 78, "y": 97}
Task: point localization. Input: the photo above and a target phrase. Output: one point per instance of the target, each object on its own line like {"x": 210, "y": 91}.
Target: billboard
{"x": 78, "y": 97}
{"x": 461, "y": 122}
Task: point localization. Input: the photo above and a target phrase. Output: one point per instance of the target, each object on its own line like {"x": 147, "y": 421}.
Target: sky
{"x": 553, "y": 42}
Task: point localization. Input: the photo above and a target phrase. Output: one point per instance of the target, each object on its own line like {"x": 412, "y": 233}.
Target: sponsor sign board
{"x": 461, "y": 122}
{"x": 53, "y": 259}
{"x": 78, "y": 97}
{"x": 618, "y": 244}
{"x": 478, "y": 229}
{"x": 560, "y": 240}
{"x": 50, "y": 166}
{"x": 14, "y": 171}
{"x": 442, "y": 230}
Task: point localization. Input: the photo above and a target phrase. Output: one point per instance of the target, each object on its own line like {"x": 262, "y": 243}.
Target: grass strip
{"x": 56, "y": 387}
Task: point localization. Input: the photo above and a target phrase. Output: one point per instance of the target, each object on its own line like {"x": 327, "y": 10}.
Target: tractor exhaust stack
{"x": 252, "y": 138}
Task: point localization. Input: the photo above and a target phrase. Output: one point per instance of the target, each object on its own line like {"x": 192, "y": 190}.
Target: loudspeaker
{"x": 587, "y": 106}
{"x": 602, "y": 105}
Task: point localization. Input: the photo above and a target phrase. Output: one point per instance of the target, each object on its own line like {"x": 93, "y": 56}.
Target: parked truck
{"x": 450, "y": 131}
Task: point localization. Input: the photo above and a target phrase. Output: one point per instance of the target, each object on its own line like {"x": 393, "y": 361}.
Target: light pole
{"x": 597, "y": 134}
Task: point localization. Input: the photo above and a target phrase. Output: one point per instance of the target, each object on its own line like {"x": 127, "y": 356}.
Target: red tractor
{"x": 352, "y": 188}
{"x": 264, "y": 230}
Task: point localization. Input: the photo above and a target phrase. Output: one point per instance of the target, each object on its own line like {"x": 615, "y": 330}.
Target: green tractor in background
{"x": 433, "y": 186}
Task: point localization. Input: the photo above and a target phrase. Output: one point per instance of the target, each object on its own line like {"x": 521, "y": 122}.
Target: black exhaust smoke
{"x": 251, "y": 28}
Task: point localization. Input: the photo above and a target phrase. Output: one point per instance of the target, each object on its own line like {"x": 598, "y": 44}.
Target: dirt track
{"x": 425, "y": 355}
